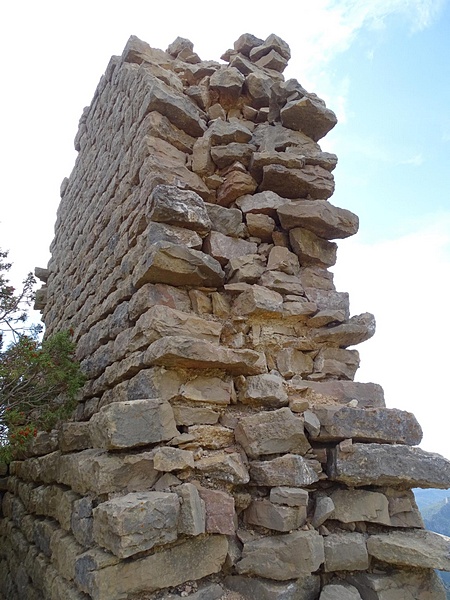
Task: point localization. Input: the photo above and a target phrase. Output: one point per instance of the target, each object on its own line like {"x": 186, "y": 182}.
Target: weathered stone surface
{"x": 336, "y": 363}
{"x": 283, "y": 557}
{"x": 265, "y": 203}
{"x": 190, "y": 353}
{"x": 186, "y": 415}
{"x": 322, "y": 218}
{"x": 311, "y": 249}
{"x": 224, "y": 248}
{"x": 100, "y": 472}
{"x": 272, "y": 42}
{"x": 227, "y": 221}
{"x": 177, "y": 265}
{"x": 383, "y": 425}
{"x": 404, "y": 584}
{"x": 322, "y": 511}
{"x": 345, "y": 552}
{"x": 223, "y": 467}
{"x": 74, "y": 436}
{"x": 267, "y": 158}
{"x": 136, "y": 522}
{"x": 220, "y": 515}
{"x": 246, "y": 269}
{"x": 417, "y": 548}
{"x": 184, "y": 208}
{"x": 289, "y": 496}
{"x": 355, "y": 331}
{"x": 282, "y": 259}
{"x": 271, "y": 433}
{"x": 226, "y": 132}
{"x": 161, "y": 321}
{"x": 224, "y": 156}
{"x": 212, "y": 437}
{"x": 281, "y": 282}
{"x": 150, "y": 294}
{"x": 260, "y": 226}
{"x": 360, "y": 505}
{"x": 193, "y": 559}
{"x": 368, "y": 395}
{"x": 403, "y": 508}
{"x": 246, "y": 42}
{"x": 212, "y": 390}
{"x": 258, "y": 301}
{"x": 339, "y": 591}
{"x": 288, "y": 470}
{"x": 236, "y": 184}
{"x": 192, "y": 519}
{"x": 275, "y": 516}
{"x": 303, "y": 588}
{"x": 313, "y": 181}
{"x": 228, "y": 82}
{"x": 172, "y": 459}
{"x": 292, "y": 362}
{"x": 389, "y": 464}
{"x": 265, "y": 390}
{"x": 159, "y": 126}
{"x": 308, "y": 115}
{"x": 133, "y": 423}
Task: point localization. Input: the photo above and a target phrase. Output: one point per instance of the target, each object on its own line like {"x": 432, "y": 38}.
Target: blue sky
{"x": 381, "y": 65}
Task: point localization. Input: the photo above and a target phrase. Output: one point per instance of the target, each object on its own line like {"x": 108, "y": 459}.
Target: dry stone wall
{"x": 220, "y": 448}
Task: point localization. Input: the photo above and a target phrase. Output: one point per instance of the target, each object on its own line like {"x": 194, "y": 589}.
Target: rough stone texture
{"x": 219, "y": 432}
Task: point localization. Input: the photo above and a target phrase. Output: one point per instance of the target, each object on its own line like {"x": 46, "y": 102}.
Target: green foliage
{"x": 39, "y": 380}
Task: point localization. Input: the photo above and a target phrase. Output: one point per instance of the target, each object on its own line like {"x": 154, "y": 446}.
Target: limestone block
{"x": 246, "y": 269}
{"x": 224, "y": 248}
{"x": 159, "y": 126}
{"x": 174, "y": 206}
{"x": 133, "y": 423}
{"x": 42, "y": 534}
{"x": 389, "y": 464}
{"x": 81, "y": 522}
{"x": 326, "y": 317}
{"x": 224, "y": 156}
{"x": 264, "y": 390}
{"x": 236, "y": 184}
{"x": 172, "y": 459}
{"x": 281, "y": 282}
{"x": 308, "y": 115}
{"x": 272, "y": 42}
{"x": 150, "y": 294}
{"x": 346, "y": 552}
{"x": 99, "y": 472}
{"x": 192, "y": 519}
{"x": 265, "y": 203}
{"x": 417, "y": 548}
{"x": 155, "y": 382}
{"x": 222, "y": 466}
{"x": 228, "y": 82}
{"x": 177, "y": 265}
{"x": 405, "y": 584}
{"x": 202, "y": 163}
{"x": 323, "y": 509}
{"x": 212, "y": 390}
{"x": 313, "y": 181}
{"x": 271, "y": 432}
{"x": 318, "y": 280}
{"x": 220, "y": 514}
{"x": 311, "y": 249}
{"x": 161, "y": 321}
{"x": 136, "y": 522}
{"x": 44, "y": 443}
{"x": 258, "y": 300}
{"x": 65, "y": 551}
{"x": 383, "y": 425}
{"x": 226, "y": 132}
{"x": 246, "y": 42}
{"x": 260, "y": 226}
{"x": 212, "y": 437}
{"x": 227, "y": 221}
{"x": 174, "y": 105}
{"x": 161, "y": 232}
{"x": 282, "y": 259}
{"x": 74, "y": 436}
{"x": 368, "y": 395}
{"x": 336, "y": 363}
{"x": 61, "y": 589}
{"x": 306, "y": 587}
{"x": 186, "y": 415}
{"x": 191, "y": 560}
{"x": 322, "y": 218}
{"x": 288, "y": 470}
{"x": 360, "y": 505}
{"x": 267, "y": 158}
{"x": 355, "y": 331}
{"x": 264, "y": 513}
{"x": 289, "y": 496}
{"x": 283, "y": 557}
{"x": 339, "y": 591}
{"x": 186, "y": 352}
{"x": 259, "y": 86}
{"x": 403, "y": 508}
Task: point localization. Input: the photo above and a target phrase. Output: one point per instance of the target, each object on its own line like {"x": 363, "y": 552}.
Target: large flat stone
{"x": 313, "y": 181}
{"x": 308, "y": 115}
{"x": 383, "y": 425}
{"x": 417, "y": 548}
{"x": 191, "y": 560}
{"x": 322, "y": 218}
{"x": 275, "y": 516}
{"x": 184, "y": 208}
{"x": 346, "y": 552}
{"x": 136, "y": 522}
{"x": 288, "y": 470}
{"x": 283, "y": 557}
{"x": 368, "y": 395}
{"x": 133, "y": 423}
{"x": 306, "y": 587}
{"x": 311, "y": 249}
{"x": 271, "y": 432}
{"x": 401, "y": 584}
{"x": 356, "y": 330}
{"x": 264, "y": 390}
{"x": 360, "y": 505}
{"x": 177, "y": 265}
{"x": 178, "y": 351}
{"x": 224, "y": 248}
{"x": 388, "y": 464}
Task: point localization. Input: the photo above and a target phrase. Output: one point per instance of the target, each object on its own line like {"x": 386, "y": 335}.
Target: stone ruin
{"x": 220, "y": 448}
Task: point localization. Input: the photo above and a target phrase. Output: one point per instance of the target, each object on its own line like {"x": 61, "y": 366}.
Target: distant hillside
{"x": 435, "y": 508}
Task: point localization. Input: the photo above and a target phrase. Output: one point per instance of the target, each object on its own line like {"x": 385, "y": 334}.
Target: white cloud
{"x": 415, "y": 160}
{"x": 406, "y": 284}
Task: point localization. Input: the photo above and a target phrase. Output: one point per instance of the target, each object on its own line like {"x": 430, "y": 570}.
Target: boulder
{"x": 308, "y": 115}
